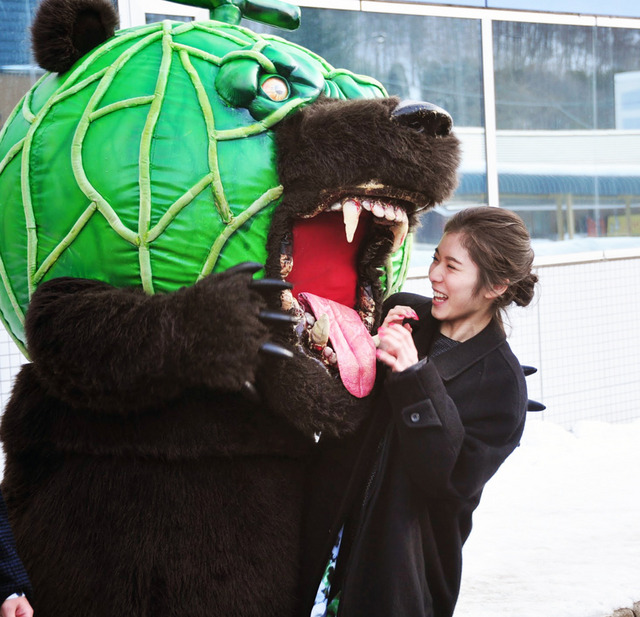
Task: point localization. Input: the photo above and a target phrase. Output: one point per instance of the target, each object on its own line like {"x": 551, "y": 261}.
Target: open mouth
{"x": 333, "y": 257}
{"x": 439, "y": 297}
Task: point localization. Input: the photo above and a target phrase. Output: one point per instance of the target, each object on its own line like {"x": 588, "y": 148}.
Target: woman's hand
{"x": 16, "y": 607}
{"x": 397, "y": 315}
{"x": 396, "y": 348}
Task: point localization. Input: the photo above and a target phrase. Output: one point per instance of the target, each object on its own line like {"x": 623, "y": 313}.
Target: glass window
{"x": 567, "y": 104}
{"x": 626, "y": 8}
{"x": 151, "y": 18}
{"x": 17, "y": 70}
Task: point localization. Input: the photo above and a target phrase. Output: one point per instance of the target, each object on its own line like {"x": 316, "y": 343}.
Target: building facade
{"x": 547, "y": 106}
{"x": 545, "y": 95}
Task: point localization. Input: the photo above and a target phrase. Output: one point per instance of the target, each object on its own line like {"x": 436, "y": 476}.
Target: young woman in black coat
{"x": 451, "y": 409}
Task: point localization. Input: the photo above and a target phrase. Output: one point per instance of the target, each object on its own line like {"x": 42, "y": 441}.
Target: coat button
{"x": 415, "y": 417}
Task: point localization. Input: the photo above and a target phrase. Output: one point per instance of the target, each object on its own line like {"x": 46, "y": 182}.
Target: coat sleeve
{"x": 101, "y": 347}
{"x": 13, "y": 577}
{"x": 445, "y": 456}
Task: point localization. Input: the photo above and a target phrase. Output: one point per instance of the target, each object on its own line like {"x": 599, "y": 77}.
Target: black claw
{"x": 250, "y": 392}
{"x": 529, "y": 370}
{"x": 265, "y": 286}
{"x": 246, "y": 266}
{"x": 535, "y": 406}
{"x": 278, "y": 351}
{"x": 277, "y": 317}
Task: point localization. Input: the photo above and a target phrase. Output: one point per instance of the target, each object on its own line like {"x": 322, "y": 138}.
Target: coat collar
{"x": 450, "y": 365}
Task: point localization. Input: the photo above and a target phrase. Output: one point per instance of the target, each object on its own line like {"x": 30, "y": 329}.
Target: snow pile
{"x": 557, "y": 533}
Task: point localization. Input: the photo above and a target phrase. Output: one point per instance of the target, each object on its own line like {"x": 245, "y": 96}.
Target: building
{"x": 545, "y": 96}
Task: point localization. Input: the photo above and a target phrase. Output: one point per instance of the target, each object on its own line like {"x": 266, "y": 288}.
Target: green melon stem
{"x": 23, "y": 107}
{"x": 81, "y": 85}
{"x": 51, "y": 259}
{"x": 16, "y": 340}
{"x": 9, "y": 289}
{"x": 262, "y": 202}
{"x": 68, "y": 88}
{"x": 144, "y": 217}
{"x": 198, "y": 53}
{"x": 77, "y": 163}
{"x": 11, "y": 154}
{"x": 173, "y": 211}
{"x": 27, "y": 204}
{"x": 219, "y": 30}
{"x": 250, "y": 54}
{"x": 138, "y": 101}
{"x": 219, "y": 197}
{"x": 263, "y": 125}
{"x": 119, "y": 39}
{"x": 28, "y": 115}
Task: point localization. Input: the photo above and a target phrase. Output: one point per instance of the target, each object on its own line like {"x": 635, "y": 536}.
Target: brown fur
{"x": 65, "y": 30}
{"x": 139, "y": 478}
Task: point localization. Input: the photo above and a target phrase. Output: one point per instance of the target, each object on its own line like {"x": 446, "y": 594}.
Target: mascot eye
{"x": 276, "y": 88}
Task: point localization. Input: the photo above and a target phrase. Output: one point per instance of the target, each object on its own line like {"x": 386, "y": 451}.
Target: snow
{"x": 557, "y": 532}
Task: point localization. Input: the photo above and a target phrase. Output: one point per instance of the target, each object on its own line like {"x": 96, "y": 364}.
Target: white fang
{"x": 351, "y": 215}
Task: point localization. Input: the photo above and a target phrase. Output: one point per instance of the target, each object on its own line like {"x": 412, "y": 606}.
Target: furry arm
{"x": 107, "y": 348}
{"x": 312, "y": 399}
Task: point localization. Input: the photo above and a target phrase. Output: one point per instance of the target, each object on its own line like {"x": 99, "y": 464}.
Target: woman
{"x": 452, "y": 409}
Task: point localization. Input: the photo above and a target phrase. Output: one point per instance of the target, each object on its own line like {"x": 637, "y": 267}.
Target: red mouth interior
{"x": 325, "y": 280}
{"x": 324, "y": 263}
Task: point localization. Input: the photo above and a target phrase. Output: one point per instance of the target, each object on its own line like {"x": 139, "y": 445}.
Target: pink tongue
{"x": 350, "y": 340}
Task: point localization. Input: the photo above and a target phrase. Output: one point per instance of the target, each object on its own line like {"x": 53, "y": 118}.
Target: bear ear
{"x": 65, "y": 30}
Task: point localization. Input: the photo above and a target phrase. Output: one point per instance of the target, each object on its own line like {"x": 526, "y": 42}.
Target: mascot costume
{"x": 198, "y": 227}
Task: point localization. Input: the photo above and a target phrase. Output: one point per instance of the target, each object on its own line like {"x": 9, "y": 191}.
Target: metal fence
{"x": 582, "y": 332}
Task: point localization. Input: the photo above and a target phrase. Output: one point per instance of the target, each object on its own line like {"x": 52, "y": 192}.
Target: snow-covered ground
{"x": 557, "y": 533}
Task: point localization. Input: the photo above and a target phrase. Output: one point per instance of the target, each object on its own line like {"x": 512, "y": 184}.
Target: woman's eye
{"x": 276, "y": 88}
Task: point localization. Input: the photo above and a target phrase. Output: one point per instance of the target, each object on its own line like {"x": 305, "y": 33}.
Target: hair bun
{"x": 524, "y": 291}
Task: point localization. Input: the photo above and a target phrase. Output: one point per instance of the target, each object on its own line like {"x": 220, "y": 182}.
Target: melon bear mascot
{"x": 198, "y": 227}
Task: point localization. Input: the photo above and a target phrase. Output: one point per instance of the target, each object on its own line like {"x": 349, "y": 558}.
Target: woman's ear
{"x": 496, "y": 290}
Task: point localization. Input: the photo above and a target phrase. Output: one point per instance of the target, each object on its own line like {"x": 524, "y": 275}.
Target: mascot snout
{"x": 424, "y": 117}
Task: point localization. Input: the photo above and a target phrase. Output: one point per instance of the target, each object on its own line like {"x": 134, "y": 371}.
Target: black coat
{"x": 441, "y": 429}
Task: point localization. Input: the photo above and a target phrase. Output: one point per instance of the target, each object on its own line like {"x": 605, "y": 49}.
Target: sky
{"x": 557, "y": 532}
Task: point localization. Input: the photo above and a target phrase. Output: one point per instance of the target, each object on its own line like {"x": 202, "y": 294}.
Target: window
{"x": 17, "y": 70}
{"x": 566, "y": 163}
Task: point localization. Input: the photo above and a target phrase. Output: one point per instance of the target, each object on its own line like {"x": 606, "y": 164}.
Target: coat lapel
{"x": 450, "y": 365}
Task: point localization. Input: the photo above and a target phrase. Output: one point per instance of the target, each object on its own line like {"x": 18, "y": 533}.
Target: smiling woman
{"x": 451, "y": 410}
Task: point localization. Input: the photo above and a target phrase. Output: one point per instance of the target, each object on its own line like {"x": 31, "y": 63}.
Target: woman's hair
{"x": 499, "y": 244}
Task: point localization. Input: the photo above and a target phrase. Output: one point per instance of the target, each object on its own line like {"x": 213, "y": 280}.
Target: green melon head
{"x": 151, "y": 161}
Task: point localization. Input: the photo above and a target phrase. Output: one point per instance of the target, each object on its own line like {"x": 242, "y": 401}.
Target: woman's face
{"x": 454, "y": 278}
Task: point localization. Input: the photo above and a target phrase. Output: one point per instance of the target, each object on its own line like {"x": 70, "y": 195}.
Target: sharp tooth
{"x": 319, "y": 334}
{"x": 366, "y": 204}
{"x": 377, "y": 209}
{"x": 287, "y": 300}
{"x": 389, "y": 212}
{"x": 351, "y": 214}
{"x": 399, "y": 234}
{"x": 336, "y": 207}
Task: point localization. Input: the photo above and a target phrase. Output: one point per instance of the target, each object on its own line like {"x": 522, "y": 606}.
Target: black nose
{"x": 423, "y": 117}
